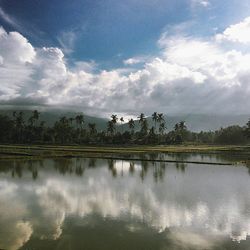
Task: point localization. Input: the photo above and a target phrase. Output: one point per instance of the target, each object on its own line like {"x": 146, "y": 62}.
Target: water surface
{"x": 108, "y": 204}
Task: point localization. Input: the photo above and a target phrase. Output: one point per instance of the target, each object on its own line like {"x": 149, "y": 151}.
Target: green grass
{"x": 13, "y": 151}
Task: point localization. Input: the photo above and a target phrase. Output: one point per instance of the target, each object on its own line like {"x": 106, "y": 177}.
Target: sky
{"x": 126, "y": 57}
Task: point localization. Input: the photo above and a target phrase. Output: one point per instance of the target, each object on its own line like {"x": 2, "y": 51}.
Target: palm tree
{"x": 176, "y": 127}
{"x": 19, "y": 123}
{"x": 144, "y": 126}
{"x": 162, "y": 128}
{"x": 79, "y": 120}
{"x": 62, "y": 129}
{"x": 141, "y": 117}
{"x": 71, "y": 119}
{"x": 182, "y": 125}
{"x": 131, "y": 125}
{"x": 92, "y": 128}
{"x": 143, "y": 122}
{"x": 31, "y": 121}
{"x": 160, "y": 119}
{"x": 110, "y": 127}
{"x": 36, "y": 115}
{"x": 155, "y": 118}
{"x": 122, "y": 120}
{"x": 114, "y": 120}
{"x": 63, "y": 120}
{"x": 247, "y": 129}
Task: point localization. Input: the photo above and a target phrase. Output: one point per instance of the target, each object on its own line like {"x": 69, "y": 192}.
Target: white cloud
{"x": 203, "y": 3}
{"x": 239, "y": 32}
{"x": 15, "y": 47}
{"x": 67, "y": 41}
{"x": 189, "y": 75}
{"x": 133, "y": 60}
{"x": 7, "y": 18}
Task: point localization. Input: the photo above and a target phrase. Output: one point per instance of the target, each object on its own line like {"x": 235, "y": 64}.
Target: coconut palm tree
{"x": 160, "y": 119}
{"x": 155, "y": 118}
{"x": 110, "y": 127}
{"x": 143, "y": 123}
{"x": 247, "y": 129}
{"x": 162, "y": 128}
{"x": 79, "y": 123}
{"x": 131, "y": 125}
{"x": 19, "y": 123}
{"x": 71, "y": 119}
{"x": 31, "y": 121}
{"x": 79, "y": 120}
{"x": 92, "y": 128}
{"x": 35, "y": 115}
{"x": 144, "y": 126}
{"x": 114, "y": 120}
{"x": 122, "y": 120}
{"x": 182, "y": 125}
{"x": 141, "y": 117}
{"x": 176, "y": 127}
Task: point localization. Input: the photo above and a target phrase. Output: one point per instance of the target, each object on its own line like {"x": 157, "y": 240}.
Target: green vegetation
{"x": 234, "y": 153}
{"x": 73, "y": 130}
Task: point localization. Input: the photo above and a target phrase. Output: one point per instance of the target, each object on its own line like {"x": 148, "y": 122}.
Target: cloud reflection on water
{"x": 201, "y": 207}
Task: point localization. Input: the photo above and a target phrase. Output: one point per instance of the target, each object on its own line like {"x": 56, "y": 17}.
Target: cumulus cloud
{"x": 190, "y": 75}
{"x": 237, "y": 33}
{"x": 134, "y": 60}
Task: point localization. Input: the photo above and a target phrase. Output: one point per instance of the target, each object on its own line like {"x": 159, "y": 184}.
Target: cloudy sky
{"x": 101, "y": 57}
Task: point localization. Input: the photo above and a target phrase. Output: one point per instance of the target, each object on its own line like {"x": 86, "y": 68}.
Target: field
{"x": 240, "y": 153}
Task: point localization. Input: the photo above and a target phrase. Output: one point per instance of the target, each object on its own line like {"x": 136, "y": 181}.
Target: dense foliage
{"x": 16, "y": 129}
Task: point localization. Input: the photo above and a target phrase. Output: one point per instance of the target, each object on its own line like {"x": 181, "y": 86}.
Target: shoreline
{"x": 8, "y": 152}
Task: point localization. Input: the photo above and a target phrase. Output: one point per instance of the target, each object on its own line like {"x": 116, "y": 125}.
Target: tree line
{"x": 74, "y": 130}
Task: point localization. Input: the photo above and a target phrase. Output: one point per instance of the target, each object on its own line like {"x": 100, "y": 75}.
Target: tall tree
{"x": 155, "y": 118}
{"x": 19, "y": 124}
{"x": 71, "y": 119}
{"x": 36, "y": 116}
{"x": 110, "y": 127}
{"x": 160, "y": 119}
{"x": 143, "y": 123}
{"x": 92, "y": 128}
{"x": 247, "y": 129}
{"x": 131, "y": 125}
{"x": 162, "y": 128}
{"x": 122, "y": 121}
{"x": 79, "y": 123}
{"x": 79, "y": 120}
{"x": 114, "y": 120}
{"x": 144, "y": 127}
{"x": 63, "y": 130}
{"x": 176, "y": 127}
{"x": 182, "y": 125}
{"x": 141, "y": 118}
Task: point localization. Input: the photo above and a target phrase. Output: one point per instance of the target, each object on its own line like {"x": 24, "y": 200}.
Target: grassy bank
{"x": 44, "y": 151}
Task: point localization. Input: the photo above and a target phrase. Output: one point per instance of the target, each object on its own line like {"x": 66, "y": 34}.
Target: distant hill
{"x": 201, "y": 122}
{"x": 194, "y": 122}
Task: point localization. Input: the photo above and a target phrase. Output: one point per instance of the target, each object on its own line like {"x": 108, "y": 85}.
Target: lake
{"x": 87, "y": 203}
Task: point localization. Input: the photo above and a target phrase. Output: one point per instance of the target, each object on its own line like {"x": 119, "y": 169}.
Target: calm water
{"x": 104, "y": 204}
